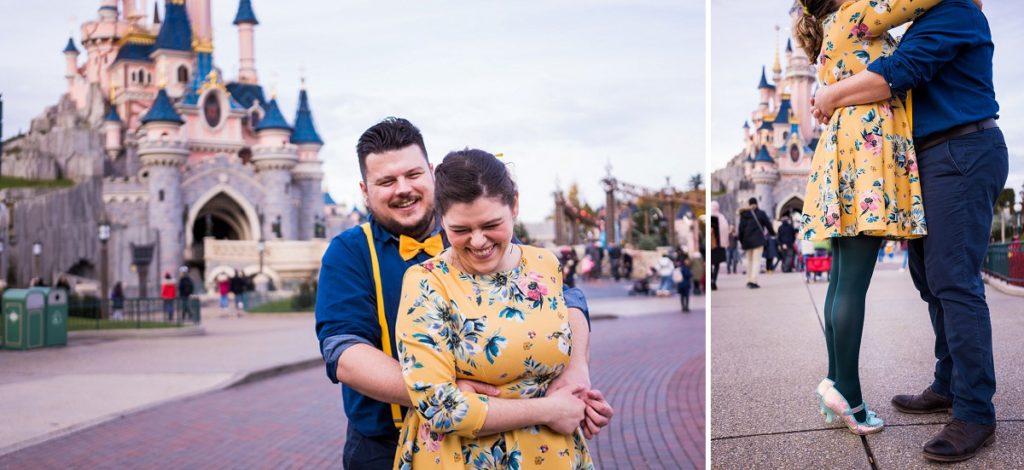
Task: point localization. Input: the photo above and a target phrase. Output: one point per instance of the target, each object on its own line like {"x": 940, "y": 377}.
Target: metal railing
{"x": 1005, "y": 261}
{"x": 92, "y": 313}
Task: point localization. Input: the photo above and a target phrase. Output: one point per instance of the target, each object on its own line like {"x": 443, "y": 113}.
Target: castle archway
{"x": 221, "y": 213}
{"x": 794, "y": 204}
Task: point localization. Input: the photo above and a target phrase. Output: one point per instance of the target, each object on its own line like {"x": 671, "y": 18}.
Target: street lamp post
{"x": 37, "y": 251}
{"x": 1005, "y": 214}
{"x": 104, "y": 235}
{"x": 261, "y": 246}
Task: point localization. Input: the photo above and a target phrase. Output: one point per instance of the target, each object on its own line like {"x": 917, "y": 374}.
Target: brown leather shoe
{"x": 923, "y": 403}
{"x": 959, "y": 440}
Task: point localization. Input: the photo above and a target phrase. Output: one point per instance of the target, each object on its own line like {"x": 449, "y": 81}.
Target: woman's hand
{"x": 565, "y": 409}
{"x": 822, "y": 105}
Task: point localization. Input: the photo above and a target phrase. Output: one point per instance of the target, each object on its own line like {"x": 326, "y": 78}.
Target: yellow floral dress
{"x": 509, "y": 329}
{"x": 864, "y": 177}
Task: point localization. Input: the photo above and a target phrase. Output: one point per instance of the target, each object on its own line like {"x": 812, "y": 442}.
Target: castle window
{"x": 135, "y": 77}
{"x": 160, "y": 195}
{"x": 182, "y": 74}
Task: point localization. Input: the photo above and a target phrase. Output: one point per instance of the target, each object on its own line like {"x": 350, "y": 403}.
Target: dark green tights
{"x": 853, "y": 262}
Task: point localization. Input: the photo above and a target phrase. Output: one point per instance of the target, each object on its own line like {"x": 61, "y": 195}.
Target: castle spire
{"x": 273, "y": 118}
{"x": 162, "y": 110}
{"x": 156, "y": 13}
{"x": 305, "y": 131}
{"x": 246, "y": 21}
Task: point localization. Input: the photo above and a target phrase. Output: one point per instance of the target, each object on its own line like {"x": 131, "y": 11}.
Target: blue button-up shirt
{"x": 346, "y": 311}
{"x": 946, "y": 59}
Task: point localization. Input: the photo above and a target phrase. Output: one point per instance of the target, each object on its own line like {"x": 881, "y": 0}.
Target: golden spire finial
{"x": 777, "y": 66}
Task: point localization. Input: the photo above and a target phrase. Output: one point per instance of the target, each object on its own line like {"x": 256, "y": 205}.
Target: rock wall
{"x": 59, "y": 144}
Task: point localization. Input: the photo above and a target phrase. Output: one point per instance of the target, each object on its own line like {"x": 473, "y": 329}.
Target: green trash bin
{"x": 24, "y": 312}
{"x": 55, "y": 333}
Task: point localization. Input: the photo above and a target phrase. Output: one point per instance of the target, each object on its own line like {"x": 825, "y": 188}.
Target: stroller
{"x": 647, "y": 285}
{"x": 817, "y": 265}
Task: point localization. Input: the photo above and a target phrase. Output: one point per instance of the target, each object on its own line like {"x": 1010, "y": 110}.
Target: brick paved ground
{"x": 650, "y": 367}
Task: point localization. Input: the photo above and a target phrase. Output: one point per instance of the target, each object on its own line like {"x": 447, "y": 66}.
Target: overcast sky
{"x": 743, "y": 39}
{"x": 560, "y": 87}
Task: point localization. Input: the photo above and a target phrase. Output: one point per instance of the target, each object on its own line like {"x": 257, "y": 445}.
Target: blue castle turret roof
{"x": 112, "y": 116}
{"x": 71, "y": 46}
{"x": 789, "y": 45}
{"x": 272, "y": 119}
{"x": 762, "y": 155}
{"x": 746, "y": 125}
{"x": 162, "y": 110}
{"x": 305, "y": 131}
{"x": 175, "y": 31}
{"x": 328, "y": 200}
{"x": 782, "y": 117}
{"x": 764, "y": 81}
{"x": 245, "y": 13}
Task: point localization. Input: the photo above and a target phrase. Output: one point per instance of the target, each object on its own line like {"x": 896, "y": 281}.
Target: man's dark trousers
{"x": 960, "y": 180}
{"x": 369, "y": 453}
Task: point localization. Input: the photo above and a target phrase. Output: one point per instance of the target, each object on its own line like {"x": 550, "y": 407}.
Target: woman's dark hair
{"x": 807, "y": 28}
{"x": 390, "y": 134}
{"x": 468, "y": 174}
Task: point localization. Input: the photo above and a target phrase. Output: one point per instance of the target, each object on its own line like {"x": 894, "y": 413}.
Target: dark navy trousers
{"x": 960, "y": 180}
{"x": 369, "y": 453}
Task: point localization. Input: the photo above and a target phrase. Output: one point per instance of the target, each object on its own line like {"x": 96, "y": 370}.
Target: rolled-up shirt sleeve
{"x": 428, "y": 364}
{"x": 346, "y": 313}
{"x": 927, "y": 47}
{"x": 574, "y": 298}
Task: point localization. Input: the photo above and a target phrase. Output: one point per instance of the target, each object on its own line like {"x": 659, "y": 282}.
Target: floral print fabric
{"x": 864, "y": 177}
{"x": 509, "y": 329}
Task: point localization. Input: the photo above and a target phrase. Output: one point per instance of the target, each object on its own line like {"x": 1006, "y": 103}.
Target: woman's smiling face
{"x": 480, "y": 234}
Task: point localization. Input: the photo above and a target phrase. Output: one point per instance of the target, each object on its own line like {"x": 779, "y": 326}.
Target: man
{"x": 787, "y": 243}
{"x": 356, "y": 314}
{"x": 185, "y": 290}
{"x": 946, "y": 59}
{"x": 614, "y": 260}
{"x": 754, "y": 223}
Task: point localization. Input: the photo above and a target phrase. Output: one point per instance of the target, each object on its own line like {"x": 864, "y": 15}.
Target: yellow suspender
{"x": 396, "y": 411}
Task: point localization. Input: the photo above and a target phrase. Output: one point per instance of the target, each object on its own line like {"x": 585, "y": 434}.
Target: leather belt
{"x": 940, "y": 137}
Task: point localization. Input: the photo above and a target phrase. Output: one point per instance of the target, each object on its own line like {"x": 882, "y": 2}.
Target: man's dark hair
{"x": 392, "y": 133}
{"x": 468, "y": 174}
{"x": 752, "y": 200}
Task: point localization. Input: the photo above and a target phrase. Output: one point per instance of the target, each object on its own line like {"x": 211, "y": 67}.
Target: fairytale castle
{"x": 187, "y": 168}
{"x": 778, "y": 142}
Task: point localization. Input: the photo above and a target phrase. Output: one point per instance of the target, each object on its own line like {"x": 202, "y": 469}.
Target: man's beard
{"x": 418, "y": 230}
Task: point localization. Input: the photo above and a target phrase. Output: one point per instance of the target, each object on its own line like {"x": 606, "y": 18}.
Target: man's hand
{"x": 978, "y": 3}
{"x": 598, "y": 414}
{"x": 477, "y": 387}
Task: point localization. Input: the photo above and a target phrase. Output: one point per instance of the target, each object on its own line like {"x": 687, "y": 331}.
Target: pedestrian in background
{"x": 732, "y": 253}
{"x": 117, "y": 301}
{"x": 168, "y": 292}
{"x": 787, "y": 244}
{"x": 238, "y": 290}
{"x": 569, "y": 263}
{"x": 753, "y": 234}
{"x": 665, "y": 268}
{"x": 223, "y": 288}
{"x": 719, "y": 231}
{"x": 627, "y": 264}
{"x": 614, "y": 260}
{"x": 185, "y": 290}
{"x": 683, "y": 277}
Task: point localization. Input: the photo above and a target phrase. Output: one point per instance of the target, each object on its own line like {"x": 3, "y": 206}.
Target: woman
{"x": 863, "y": 185}
{"x": 487, "y": 310}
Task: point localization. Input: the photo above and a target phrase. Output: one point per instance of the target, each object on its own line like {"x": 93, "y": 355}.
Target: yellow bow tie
{"x": 408, "y": 247}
